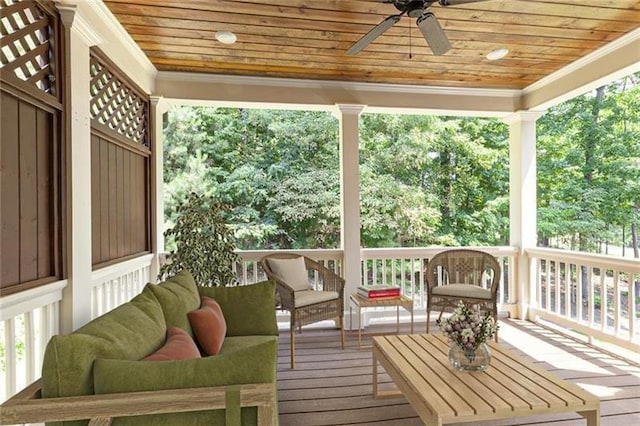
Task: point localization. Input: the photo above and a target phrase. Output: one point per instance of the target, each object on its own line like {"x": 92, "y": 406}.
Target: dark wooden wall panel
{"x": 120, "y": 202}
{"x": 112, "y": 207}
{"x": 95, "y": 200}
{"x": 9, "y": 194}
{"x": 30, "y": 241}
{"x": 28, "y": 193}
{"x": 32, "y": 167}
{"x": 120, "y": 209}
{"x": 128, "y": 228}
{"x": 44, "y": 169}
{"x": 104, "y": 199}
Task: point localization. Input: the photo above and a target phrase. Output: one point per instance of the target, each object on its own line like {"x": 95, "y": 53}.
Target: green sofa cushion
{"x": 247, "y": 309}
{"x": 236, "y": 364}
{"x": 131, "y": 331}
{"x": 177, "y": 296}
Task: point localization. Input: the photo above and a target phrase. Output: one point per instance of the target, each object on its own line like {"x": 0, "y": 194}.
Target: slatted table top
{"x": 511, "y": 387}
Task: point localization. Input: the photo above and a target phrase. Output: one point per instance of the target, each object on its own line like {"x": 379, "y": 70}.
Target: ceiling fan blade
{"x": 456, "y": 2}
{"x": 433, "y": 34}
{"x": 373, "y": 34}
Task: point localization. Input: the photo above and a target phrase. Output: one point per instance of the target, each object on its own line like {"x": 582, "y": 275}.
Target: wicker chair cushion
{"x": 309, "y": 297}
{"x": 291, "y": 271}
{"x": 462, "y": 290}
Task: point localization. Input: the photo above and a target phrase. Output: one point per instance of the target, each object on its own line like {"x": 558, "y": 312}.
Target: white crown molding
{"x": 633, "y": 36}
{"x": 124, "y": 37}
{"x": 76, "y": 22}
{"x": 329, "y": 84}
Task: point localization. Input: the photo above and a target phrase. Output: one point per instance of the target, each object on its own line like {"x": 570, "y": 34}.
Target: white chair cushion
{"x": 309, "y": 297}
{"x": 292, "y": 271}
{"x": 462, "y": 290}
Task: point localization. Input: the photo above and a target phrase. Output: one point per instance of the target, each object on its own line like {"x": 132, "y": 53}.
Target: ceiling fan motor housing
{"x": 413, "y": 8}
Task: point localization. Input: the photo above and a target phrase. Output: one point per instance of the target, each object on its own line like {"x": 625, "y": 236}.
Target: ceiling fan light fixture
{"x": 226, "y": 37}
{"x": 433, "y": 34}
{"x": 496, "y": 54}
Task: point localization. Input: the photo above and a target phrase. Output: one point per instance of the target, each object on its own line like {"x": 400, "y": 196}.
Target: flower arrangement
{"x": 468, "y": 327}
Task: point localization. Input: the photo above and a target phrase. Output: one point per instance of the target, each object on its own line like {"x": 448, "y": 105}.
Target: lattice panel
{"x": 27, "y": 43}
{"x": 117, "y": 105}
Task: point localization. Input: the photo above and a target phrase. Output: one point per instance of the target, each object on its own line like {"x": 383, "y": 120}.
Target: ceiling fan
{"x": 426, "y": 22}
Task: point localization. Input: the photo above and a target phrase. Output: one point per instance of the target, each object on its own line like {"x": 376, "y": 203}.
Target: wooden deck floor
{"x": 330, "y": 386}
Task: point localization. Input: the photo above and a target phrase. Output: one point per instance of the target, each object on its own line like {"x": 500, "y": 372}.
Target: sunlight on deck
{"x": 540, "y": 350}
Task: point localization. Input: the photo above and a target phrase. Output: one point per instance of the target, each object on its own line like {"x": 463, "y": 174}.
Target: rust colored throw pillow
{"x": 208, "y": 325}
{"x": 179, "y": 345}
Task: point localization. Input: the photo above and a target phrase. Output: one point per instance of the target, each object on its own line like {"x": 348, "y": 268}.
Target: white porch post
{"x": 350, "y": 198}
{"x": 523, "y": 201}
{"x": 158, "y": 107}
{"x": 76, "y": 299}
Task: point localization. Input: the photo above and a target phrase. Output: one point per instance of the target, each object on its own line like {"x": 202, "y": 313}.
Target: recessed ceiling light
{"x": 494, "y": 55}
{"x": 226, "y": 37}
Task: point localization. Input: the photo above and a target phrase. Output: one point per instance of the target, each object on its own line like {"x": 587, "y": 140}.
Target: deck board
{"x": 330, "y": 386}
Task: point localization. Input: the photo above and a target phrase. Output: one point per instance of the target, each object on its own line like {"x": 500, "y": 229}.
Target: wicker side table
{"x": 362, "y": 302}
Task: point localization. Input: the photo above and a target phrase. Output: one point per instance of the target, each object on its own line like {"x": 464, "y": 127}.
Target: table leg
{"x": 411, "y": 310}
{"x": 359, "y": 329}
{"x": 592, "y": 417}
{"x": 374, "y": 373}
{"x": 398, "y": 319}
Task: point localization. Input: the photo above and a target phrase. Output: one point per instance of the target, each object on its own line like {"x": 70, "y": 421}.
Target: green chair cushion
{"x": 247, "y": 309}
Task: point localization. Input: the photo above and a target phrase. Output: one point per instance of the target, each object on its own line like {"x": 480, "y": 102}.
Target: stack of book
{"x": 377, "y": 291}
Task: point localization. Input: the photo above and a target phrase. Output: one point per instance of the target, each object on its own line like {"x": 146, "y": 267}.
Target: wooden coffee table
{"x": 510, "y": 387}
{"x": 363, "y": 302}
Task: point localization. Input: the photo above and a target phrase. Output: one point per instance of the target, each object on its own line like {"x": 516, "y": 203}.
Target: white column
{"x": 76, "y": 298}
{"x": 158, "y": 107}
{"x": 522, "y": 200}
{"x": 350, "y": 198}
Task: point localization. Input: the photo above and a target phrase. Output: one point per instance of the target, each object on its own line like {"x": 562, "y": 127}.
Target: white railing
{"x": 28, "y": 320}
{"x": 116, "y": 284}
{"x": 402, "y": 266}
{"x": 592, "y": 294}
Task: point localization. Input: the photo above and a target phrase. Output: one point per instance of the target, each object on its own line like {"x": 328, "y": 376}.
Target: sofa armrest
{"x": 247, "y": 309}
{"x": 29, "y": 407}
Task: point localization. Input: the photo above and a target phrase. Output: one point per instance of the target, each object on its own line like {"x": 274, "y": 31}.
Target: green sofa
{"x": 105, "y": 355}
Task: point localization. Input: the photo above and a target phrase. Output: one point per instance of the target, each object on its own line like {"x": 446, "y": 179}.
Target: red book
{"x": 378, "y": 291}
{"x": 380, "y": 295}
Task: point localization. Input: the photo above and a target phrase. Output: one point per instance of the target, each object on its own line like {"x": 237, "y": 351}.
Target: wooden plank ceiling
{"x": 307, "y": 39}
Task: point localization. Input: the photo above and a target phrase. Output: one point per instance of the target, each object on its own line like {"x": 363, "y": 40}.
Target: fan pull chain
{"x": 410, "y": 55}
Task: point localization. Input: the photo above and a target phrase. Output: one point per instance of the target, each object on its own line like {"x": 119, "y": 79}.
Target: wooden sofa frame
{"x": 29, "y": 407}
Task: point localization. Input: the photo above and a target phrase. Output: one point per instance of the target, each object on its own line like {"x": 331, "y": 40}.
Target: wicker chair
{"x": 462, "y": 274}
{"x": 306, "y": 305}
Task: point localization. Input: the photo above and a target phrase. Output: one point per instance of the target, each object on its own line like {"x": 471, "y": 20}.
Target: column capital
{"x": 349, "y": 108}
{"x": 74, "y": 21}
{"x": 523, "y": 116}
{"x": 160, "y": 103}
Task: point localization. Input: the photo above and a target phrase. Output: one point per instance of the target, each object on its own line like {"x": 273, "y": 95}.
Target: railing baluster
{"x": 603, "y": 299}
{"x": 10, "y": 356}
{"x": 29, "y": 350}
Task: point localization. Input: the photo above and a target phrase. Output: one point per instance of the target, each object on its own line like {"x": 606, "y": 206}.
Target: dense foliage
{"x": 589, "y": 169}
{"x": 423, "y": 179}
{"x": 204, "y": 245}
